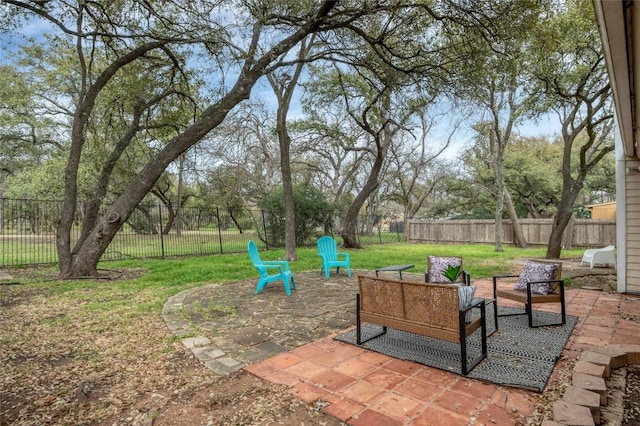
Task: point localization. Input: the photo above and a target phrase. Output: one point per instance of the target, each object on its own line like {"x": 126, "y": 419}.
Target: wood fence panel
{"x": 594, "y": 232}
{"x": 536, "y": 231}
{"x": 581, "y": 233}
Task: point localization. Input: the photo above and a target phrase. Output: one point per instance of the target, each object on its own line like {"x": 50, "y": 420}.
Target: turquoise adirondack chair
{"x": 331, "y": 257}
{"x": 263, "y": 266}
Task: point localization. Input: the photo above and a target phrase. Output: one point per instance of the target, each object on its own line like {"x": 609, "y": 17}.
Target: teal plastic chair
{"x": 263, "y": 266}
{"x": 331, "y": 257}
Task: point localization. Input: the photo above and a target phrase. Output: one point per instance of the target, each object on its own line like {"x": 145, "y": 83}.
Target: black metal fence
{"x": 28, "y": 228}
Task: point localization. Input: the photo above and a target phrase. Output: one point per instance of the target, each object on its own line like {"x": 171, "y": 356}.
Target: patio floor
{"x": 360, "y": 387}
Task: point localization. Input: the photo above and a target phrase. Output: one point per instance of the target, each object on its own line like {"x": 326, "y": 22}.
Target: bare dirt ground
{"x": 64, "y": 362}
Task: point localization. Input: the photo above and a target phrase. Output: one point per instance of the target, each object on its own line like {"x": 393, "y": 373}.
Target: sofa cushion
{"x": 437, "y": 266}
{"x": 536, "y": 271}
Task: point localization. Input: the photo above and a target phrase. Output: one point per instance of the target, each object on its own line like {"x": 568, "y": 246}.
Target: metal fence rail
{"x": 28, "y": 232}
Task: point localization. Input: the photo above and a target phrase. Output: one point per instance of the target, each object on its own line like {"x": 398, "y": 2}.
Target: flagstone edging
{"x": 583, "y": 400}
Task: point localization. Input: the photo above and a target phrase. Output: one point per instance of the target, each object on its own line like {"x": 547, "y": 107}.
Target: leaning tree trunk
{"x": 562, "y": 219}
{"x": 498, "y": 171}
{"x": 84, "y": 258}
{"x": 171, "y": 219}
{"x": 499, "y": 234}
{"x": 560, "y": 222}
{"x": 289, "y": 207}
{"x": 234, "y": 220}
{"x": 350, "y": 229}
{"x": 513, "y": 215}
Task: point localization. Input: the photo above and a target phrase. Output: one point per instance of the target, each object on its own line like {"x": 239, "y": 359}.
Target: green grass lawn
{"x": 40, "y": 249}
{"x": 164, "y": 278}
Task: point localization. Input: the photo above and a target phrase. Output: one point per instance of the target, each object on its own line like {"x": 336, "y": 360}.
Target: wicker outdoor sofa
{"x": 431, "y": 310}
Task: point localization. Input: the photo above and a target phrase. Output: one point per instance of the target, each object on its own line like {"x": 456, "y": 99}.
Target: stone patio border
{"x": 583, "y": 400}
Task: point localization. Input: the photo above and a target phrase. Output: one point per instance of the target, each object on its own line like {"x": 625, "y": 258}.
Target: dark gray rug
{"x": 517, "y": 356}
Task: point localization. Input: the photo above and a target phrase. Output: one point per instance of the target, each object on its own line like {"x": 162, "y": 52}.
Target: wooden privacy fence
{"x": 580, "y": 233}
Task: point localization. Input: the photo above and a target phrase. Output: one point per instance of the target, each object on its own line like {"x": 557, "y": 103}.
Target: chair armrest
{"x": 268, "y": 266}
{"x": 504, "y": 276}
{"x": 476, "y": 303}
{"x": 546, "y": 281}
{"x": 276, "y": 263}
{"x": 495, "y": 283}
{"x": 345, "y": 254}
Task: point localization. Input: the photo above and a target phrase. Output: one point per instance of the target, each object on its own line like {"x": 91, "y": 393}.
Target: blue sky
{"x": 32, "y": 29}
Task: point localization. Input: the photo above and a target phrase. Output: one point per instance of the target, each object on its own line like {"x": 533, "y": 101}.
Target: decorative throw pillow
{"x": 465, "y": 294}
{"x": 536, "y": 271}
{"x": 437, "y": 266}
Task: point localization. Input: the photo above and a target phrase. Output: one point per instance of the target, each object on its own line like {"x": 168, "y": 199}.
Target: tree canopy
{"x": 128, "y": 100}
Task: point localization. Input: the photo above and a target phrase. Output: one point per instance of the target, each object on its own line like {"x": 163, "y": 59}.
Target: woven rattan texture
{"x": 381, "y": 297}
{"x": 434, "y": 304}
{"x": 422, "y": 308}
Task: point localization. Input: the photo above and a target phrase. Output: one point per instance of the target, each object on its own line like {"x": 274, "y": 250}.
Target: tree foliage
{"x": 313, "y": 213}
{"x": 108, "y": 37}
{"x": 573, "y": 73}
{"x": 126, "y": 101}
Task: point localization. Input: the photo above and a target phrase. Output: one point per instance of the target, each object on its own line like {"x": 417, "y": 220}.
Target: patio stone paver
{"x": 289, "y": 340}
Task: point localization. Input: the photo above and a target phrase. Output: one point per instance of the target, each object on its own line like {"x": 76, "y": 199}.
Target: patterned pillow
{"x": 536, "y": 271}
{"x": 437, "y": 266}
{"x": 465, "y": 294}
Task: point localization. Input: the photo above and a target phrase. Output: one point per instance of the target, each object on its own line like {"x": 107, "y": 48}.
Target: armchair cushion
{"x": 438, "y": 265}
{"x": 533, "y": 272}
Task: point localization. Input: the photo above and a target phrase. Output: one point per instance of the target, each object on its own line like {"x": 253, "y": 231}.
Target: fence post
{"x": 219, "y": 228}
{"x": 161, "y": 232}
{"x": 264, "y": 224}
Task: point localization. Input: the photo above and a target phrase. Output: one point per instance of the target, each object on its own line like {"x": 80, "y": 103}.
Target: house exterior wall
{"x": 621, "y": 45}
{"x": 629, "y": 247}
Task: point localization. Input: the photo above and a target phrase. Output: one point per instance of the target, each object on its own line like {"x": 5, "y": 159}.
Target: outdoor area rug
{"x": 517, "y": 356}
